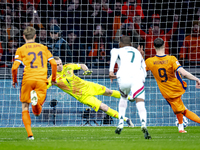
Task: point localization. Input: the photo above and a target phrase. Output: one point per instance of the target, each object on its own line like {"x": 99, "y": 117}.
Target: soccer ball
{"x": 185, "y": 122}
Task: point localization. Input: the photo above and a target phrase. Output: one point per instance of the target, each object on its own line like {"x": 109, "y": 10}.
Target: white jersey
{"x": 130, "y": 62}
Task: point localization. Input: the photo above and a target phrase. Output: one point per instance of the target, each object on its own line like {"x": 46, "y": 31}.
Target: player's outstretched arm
{"x": 189, "y": 76}
{"x": 85, "y": 69}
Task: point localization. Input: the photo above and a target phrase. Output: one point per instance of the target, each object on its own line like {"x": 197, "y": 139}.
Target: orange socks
{"x": 27, "y": 122}
{"x": 192, "y": 116}
{"x": 180, "y": 118}
{"x": 37, "y": 109}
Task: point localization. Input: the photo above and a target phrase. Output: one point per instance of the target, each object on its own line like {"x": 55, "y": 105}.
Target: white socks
{"x": 142, "y": 113}
{"x": 180, "y": 127}
{"x": 122, "y": 109}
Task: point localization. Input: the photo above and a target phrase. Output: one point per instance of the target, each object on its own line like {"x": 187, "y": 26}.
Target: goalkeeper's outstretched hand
{"x": 87, "y": 72}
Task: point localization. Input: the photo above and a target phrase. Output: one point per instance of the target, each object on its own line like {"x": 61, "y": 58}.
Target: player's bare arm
{"x": 189, "y": 76}
{"x": 85, "y": 69}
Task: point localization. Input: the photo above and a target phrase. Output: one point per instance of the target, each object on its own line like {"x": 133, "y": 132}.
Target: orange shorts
{"x": 39, "y": 87}
{"x": 176, "y": 104}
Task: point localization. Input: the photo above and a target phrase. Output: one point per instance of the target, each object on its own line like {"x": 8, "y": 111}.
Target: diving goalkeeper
{"x": 84, "y": 91}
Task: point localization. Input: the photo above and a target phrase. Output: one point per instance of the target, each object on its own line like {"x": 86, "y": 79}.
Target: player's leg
{"x": 125, "y": 87}
{"x": 180, "y": 123}
{"x": 178, "y": 108}
{"x": 140, "y": 105}
{"x": 192, "y": 116}
{"x": 96, "y": 104}
{"x": 138, "y": 95}
{"x": 97, "y": 89}
{"x": 112, "y": 93}
{"x": 143, "y": 116}
{"x": 27, "y": 120}
{"x": 113, "y": 113}
{"x": 40, "y": 91}
{"x": 26, "y": 88}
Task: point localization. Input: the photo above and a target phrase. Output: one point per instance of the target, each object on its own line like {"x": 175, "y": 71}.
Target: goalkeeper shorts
{"x": 92, "y": 102}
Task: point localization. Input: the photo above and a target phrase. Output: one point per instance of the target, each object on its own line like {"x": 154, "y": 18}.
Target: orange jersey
{"x": 34, "y": 57}
{"x": 191, "y": 48}
{"x": 165, "y": 71}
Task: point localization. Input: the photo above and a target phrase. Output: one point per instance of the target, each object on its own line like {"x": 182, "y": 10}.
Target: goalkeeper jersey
{"x": 69, "y": 82}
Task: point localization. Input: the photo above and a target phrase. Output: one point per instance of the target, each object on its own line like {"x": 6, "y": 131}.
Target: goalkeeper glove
{"x": 87, "y": 72}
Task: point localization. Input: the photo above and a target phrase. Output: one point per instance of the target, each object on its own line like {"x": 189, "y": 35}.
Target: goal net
{"x": 85, "y": 32}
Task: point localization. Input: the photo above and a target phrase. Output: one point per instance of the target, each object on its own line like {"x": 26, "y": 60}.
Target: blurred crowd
{"x": 84, "y": 31}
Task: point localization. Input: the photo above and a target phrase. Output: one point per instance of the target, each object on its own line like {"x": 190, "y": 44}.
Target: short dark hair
{"x": 126, "y": 40}
{"x": 158, "y": 43}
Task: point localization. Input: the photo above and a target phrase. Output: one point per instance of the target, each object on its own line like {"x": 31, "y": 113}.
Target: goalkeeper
{"x": 84, "y": 91}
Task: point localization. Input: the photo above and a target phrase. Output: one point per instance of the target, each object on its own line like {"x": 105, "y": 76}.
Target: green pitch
{"x": 99, "y": 138}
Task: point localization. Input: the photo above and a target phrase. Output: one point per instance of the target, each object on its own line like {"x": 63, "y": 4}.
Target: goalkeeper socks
{"x": 122, "y": 109}
{"x": 112, "y": 113}
{"x": 180, "y": 118}
{"x": 192, "y": 116}
{"x": 142, "y": 112}
{"x": 125, "y": 118}
{"x": 180, "y": 127}
{"x": 116, "y": 94}
{"x": 37, "y": 109}
{"x": 27, "y": 122}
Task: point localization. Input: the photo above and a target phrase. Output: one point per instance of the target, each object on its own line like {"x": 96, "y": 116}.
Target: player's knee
{"x": 139, "y": 100}
{"x": 178, "y": 112}
{"x": 104, "y": 107}
{"x": 37, "y": 113}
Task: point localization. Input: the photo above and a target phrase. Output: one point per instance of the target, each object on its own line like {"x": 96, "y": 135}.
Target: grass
{"x": 99, "y": 138}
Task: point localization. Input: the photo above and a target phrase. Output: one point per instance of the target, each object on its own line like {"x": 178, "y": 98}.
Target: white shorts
{"x": 130, "y": 85}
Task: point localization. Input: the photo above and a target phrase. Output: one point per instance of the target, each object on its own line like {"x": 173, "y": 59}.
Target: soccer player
{"x": 166, "y": 70}
{"x": 34, "y": 57}
{"x": 131, "y": 77}
{"x": 84, "y": 91}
